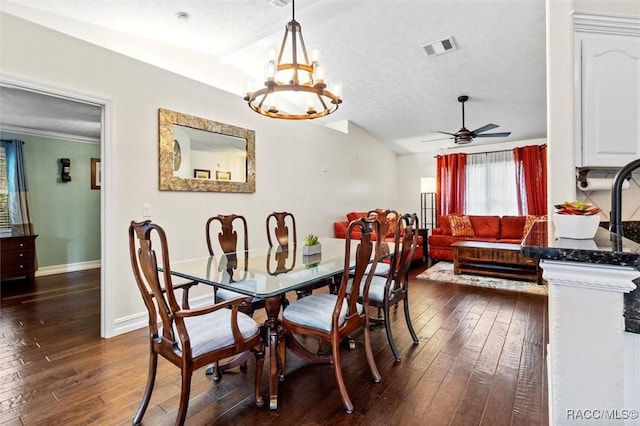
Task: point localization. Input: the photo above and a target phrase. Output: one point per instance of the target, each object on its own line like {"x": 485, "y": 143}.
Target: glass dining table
{"x": 269, "y": 273}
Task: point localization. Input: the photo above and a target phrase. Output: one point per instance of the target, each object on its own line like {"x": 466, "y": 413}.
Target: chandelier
{"x": 300, "y": 82}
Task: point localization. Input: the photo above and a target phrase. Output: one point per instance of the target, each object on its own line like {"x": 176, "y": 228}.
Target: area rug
{"x": 443, "y": 271}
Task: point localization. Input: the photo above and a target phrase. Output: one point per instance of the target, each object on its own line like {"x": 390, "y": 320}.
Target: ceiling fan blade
{"x": 435, "y": 140}
{"x": 485, "y": 128}
{"x": 493, "y": 135}
{"x": 446, "y": 133}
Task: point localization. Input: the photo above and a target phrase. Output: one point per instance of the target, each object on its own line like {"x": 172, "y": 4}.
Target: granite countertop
{"x": 606, "y": 248}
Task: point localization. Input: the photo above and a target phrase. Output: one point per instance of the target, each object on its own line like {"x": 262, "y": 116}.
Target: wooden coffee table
{"x": 494, "y": 259}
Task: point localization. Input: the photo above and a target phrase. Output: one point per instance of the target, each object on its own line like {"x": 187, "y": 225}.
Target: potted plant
{"x": 311, "y": 245}
{"x": 576, "y": 219}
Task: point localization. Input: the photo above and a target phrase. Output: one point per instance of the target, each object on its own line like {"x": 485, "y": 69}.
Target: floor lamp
{"x": 427, "y": 201}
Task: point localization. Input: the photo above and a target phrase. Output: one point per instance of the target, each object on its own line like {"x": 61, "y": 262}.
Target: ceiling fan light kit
{"x": 465, "y": 136}
{"x": 301, "y": 81}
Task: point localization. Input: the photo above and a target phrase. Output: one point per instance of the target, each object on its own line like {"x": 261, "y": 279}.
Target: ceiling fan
{"x": 464, "y": 135}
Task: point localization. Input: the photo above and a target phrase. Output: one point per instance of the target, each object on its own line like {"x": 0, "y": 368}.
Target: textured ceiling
{"x": 26, "y": 111}
{"x": 391, "y": 88}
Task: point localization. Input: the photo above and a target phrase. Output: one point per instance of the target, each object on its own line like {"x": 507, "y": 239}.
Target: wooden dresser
{"x": 18, "y": 254}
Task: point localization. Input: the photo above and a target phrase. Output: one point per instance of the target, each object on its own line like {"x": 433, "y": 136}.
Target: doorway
{"x": 44, "y": 114}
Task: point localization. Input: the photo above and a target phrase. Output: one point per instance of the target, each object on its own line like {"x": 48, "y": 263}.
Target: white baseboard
{"x": 129, "y": 323}
{"x": 69, "y": 267}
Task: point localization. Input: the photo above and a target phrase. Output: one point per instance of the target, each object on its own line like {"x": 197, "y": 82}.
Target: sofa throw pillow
{"x": 529, "y": 221}
{"x": 461, "y": 226}
{"x": 511, "y": 227}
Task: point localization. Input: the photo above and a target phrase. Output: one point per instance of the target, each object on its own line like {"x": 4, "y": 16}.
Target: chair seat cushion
{"x": 224, "y": 294}
{"x": 213, "y": 331}
{"x": 376, "y": 288}
{"x": 381, "y": 269}
{"x": 315, "y": 311}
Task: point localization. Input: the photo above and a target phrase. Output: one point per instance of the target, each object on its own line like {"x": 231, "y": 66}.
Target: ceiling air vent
{"x": 441, "y": 46}
{"x": 279, "y": 3}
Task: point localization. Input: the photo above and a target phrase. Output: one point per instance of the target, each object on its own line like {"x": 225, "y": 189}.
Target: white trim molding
{"x": 586, "y": 352}
{"x": 69, "y": 267}
{"x": 107, "y": 193}
{"x": 617, "y": 279}
{"x": 606, "y": 24}
{"x": 48, "y": 134}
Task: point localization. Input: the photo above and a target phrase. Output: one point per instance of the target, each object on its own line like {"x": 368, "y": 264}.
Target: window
{"x": 4, "y": 191}
{"x": 490, "y": 184}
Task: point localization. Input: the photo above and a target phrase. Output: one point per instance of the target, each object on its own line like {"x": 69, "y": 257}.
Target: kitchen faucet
{"x": 616, "y": 196}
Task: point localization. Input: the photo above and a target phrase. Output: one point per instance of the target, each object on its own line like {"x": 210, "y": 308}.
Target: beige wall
{"x": 289, "y": 155}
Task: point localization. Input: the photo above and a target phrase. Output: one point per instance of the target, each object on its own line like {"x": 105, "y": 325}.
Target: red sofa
{"x": 505, "y": 229}
{"x": 340, "y": 231}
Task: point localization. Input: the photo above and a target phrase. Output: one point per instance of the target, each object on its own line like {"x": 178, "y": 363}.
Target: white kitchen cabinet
{"x": 607, "y": 98}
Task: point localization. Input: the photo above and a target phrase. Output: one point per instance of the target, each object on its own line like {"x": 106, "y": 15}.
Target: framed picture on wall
{"x": 201, "y": 174}
{"x": 223, "y": 175}
{"x": 96, "y": 174}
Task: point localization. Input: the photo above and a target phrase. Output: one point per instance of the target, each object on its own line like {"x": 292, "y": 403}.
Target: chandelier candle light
{"x": 303, "y": 83}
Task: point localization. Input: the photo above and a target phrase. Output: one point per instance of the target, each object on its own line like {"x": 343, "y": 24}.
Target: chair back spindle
{"x": 367, "y": 251}
{"x": 227, "y": 236}
{"x": 408, "y": 229}
{"x": 159, "y": 299}
{"x": 284, "y": 230}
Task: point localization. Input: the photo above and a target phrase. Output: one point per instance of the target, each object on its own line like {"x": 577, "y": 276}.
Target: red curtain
{"x": 531, "y": 179}
{"x": 450, "y": 183}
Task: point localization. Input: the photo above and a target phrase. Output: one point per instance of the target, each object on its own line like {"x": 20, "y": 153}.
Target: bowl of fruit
{"x": 576, "y": 220}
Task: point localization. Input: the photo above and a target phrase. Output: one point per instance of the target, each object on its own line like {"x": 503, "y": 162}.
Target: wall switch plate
{"x": 146, "y": 210}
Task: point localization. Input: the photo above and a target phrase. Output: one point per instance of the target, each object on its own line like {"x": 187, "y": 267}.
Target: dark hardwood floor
{"x": 480, "y": 360}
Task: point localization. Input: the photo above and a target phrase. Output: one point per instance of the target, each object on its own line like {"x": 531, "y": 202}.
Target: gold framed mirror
{"x": 197, "y": 154}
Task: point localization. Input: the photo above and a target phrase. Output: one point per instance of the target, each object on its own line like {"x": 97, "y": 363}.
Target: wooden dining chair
{"x": 228, "y": 227}
{"x": 385, "y": 292}
{"x": 281, "y": 229}
{"x": 387, "y": 218}
{"x": 331, "y": 317}
{"x": 188, "y": 338}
